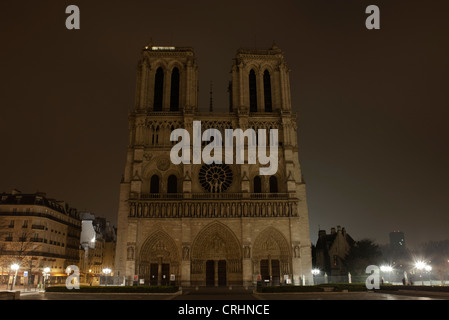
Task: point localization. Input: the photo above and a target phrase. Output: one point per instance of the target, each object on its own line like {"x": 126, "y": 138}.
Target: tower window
{"x": 174, "y": 93}
{"x": 267, "y": 91}
{"x": 172, "y": 184}
{"x": 154, "y": 184}
{"x": 158, "y": 89}
{"x": 252, "y": 91}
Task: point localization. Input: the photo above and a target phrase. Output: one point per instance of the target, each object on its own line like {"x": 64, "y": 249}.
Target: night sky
{"x": 372, "y": 104}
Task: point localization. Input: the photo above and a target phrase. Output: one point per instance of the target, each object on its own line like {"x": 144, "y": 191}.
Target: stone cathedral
{"x": 217, "y": 224}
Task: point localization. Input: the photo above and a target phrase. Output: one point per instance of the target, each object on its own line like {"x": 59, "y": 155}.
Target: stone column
{"x": 159, "y": 272}
{"x": 167, "y": 91}
{"x": 247, "y": 266}
{"x": 260, "y": 92}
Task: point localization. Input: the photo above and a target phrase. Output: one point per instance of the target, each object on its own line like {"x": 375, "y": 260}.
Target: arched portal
{"x": 158, "y": 259}
{"x": 271, "y": 256}
{"x": 216, "y": 257}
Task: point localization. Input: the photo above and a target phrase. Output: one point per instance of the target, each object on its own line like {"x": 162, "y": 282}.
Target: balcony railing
{"x": 202, "y": 207}
{"x": 208, "y": 195}
{"x": 34, "y": 226}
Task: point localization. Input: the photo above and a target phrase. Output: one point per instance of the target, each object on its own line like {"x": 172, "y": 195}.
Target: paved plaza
{"x": 199, "y": 294}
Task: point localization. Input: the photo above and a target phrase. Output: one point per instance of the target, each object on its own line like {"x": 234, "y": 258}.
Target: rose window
{"x": 215, "y": 177}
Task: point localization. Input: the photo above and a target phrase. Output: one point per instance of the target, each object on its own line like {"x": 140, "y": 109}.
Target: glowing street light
{"x": 315, "y": 272}
{"x": 420, "y": 265}
{"x": 107, "y": 271}
{"x": 387, "y": 269}
{"x": 15, "y": 267}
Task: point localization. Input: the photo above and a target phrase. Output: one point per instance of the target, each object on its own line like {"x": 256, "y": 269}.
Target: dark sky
{"x": 372, "y": 105}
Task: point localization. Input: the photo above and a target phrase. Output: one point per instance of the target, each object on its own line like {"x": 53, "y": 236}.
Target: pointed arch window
{"x": 273, "y": 184}
{"x": 267, "y": 91}
{"x": 172, "y": 184}
{"x": 158, "y": 89}
{"x": 154, "y": 184}
{"x": 252, "y": 91}
{"x": 257, "y": 185}
{"x": 174, "y": 93}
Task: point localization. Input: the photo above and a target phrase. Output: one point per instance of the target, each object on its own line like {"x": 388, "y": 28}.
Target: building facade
{"x": 98, "y": 240}
{"x": 37, "y": 232}
{"x": 331, "y": 250}
{"x": 218, "y": 224}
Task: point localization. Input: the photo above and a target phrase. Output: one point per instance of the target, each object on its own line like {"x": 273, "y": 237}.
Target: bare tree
{"x": 17, "y": 247}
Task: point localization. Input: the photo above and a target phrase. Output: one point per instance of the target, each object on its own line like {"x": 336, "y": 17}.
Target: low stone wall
{"x": 9, "y": 295}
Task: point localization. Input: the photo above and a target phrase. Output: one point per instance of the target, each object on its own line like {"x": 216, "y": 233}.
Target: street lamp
{"x": 46, "y": 274}
{"x": 388, "y": 270}
{"x": 315, "y": 272}
{"x": 107, "y": 271}
{"x": 15, "y": 267}
{"x": 421, "y": 265}
{"x": 428, "y": 268}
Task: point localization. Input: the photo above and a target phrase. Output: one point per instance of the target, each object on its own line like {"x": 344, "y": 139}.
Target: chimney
{"x": 321, "y": 233}
{"x": 332, "y": 230}
{"x": 338, "y": 229}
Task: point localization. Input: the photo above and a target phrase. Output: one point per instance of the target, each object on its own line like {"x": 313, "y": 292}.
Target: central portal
{"x": 216, "y": 258}
{"x": 215, "y": 273}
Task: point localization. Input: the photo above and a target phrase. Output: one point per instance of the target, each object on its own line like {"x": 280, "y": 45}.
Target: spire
{"x": 149, "y": 44}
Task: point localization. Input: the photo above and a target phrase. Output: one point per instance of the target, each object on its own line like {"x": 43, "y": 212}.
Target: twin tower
{"x": 218, "y": 224}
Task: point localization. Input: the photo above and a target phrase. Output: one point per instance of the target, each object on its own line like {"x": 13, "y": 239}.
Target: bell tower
{"x": 260, "y": 81}
{"x": 167, "y": 79}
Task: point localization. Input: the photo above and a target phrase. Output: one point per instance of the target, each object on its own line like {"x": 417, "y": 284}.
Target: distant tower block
{"x": 397, "y": 240}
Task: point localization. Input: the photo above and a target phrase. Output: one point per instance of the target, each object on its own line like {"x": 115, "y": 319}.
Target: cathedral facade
{"x": 217, "y": 224}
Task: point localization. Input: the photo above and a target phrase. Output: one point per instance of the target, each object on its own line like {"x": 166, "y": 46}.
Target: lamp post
{"x": 387, "y": 269}
{"x": 315, "y": 272}
{"x": 106, "y": 271}
{"x": 46, "y": 274}
{"x": 15, "y": 267}
{"x": 428, "y": 268}
{"x": 420, "y": 265}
